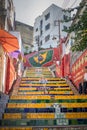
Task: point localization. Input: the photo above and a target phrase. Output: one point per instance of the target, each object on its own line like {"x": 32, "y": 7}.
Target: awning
{"x": 8, "y": 41}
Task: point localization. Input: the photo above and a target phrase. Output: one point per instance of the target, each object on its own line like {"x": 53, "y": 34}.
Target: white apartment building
{"x": 48, "y": 27}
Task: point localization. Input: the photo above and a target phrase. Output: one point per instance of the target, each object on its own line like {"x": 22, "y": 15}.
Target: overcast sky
{"x": 28, "y": 10}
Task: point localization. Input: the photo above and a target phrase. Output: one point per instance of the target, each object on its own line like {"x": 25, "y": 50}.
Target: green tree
{"x": 26, "y": 50}
{"x": 80, "y": 30}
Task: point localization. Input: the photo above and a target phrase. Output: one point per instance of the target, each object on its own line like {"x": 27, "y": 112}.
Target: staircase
{"x": 3, "y": 101}
{"x": 31, "y": 108}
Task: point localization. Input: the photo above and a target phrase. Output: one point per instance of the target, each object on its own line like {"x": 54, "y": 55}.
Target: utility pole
{"x": 59, "y": 29}
{"x": 57, "y": 23}
{"x": 38, "y": 44}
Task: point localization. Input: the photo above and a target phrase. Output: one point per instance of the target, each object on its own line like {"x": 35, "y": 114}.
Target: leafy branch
{"x": 80, "y": 30}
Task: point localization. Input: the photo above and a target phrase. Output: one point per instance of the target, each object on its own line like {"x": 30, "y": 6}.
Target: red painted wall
{"x": 66, "y": 64}
{"x": 78, "y": 68}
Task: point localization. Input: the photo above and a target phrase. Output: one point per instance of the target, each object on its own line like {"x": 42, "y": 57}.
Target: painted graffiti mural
{"x": 42, "y": 58}
{"x": 78, "y": 68}
{"x": 39, "y": 59}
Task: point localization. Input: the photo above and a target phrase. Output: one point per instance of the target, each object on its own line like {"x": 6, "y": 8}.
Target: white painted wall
{"x": 56, "y": 13}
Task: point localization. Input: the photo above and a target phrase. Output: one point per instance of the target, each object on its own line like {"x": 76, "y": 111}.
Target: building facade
{"x": 7, "y": 15}
{"x": 26, "y": 32}
{"x": 48, "y": 28}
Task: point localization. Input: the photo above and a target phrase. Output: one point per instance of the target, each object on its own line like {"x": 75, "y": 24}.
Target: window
{"x": 65, "y": 28}
{"x": 47, "y": 38}
{"x": 47, "y": 26}
{"x": 36, "y": 38}
{"x": 41, "y": 32}
{"x": 47, "y": 16}
{"x": 36, "y": 29}
{"x": 40, "y": 43}
{"x": 65, "y": 17}
{"x": 41, "y": 23}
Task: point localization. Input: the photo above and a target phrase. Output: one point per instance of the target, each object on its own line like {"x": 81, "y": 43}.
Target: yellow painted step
{"x": 12, "y": 115}
{"x": 27, "y": 84}
{"x": 44, "y": 105}
{"x": 41, "y": 115}
{"x": 74, "y": 105}
{"x": 49, "y": 92}
{"x": 36, "y": 92}
{"x": 28, "y": 105}
{"x": 30, "y": 97}
{"x": 60, "y": 92}
{"x": 29, "y": 116}
{"x": 32, "y": 88}
{"x": 71, "y": 97}
{"x": 76, "y": 115}
{"x": 18, "y": 97}
{"x": 51, "y": 78}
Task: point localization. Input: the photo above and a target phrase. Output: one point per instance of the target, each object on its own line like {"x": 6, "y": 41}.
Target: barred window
{"x": 47, "y": 38}
{"x": 47, "y": 16}
{"x": 47, "y": 26}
